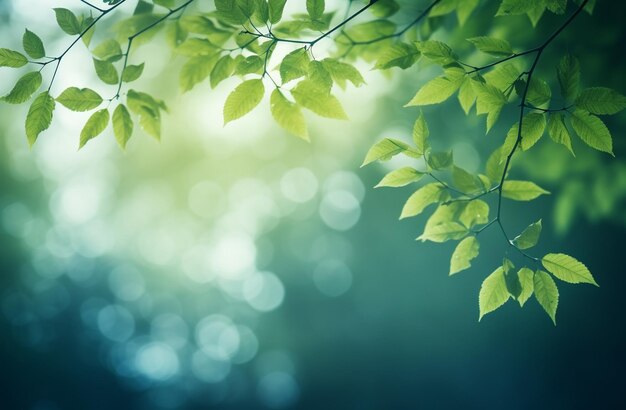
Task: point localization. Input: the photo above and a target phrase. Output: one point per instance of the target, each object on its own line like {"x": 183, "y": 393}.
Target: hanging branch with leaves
{"x": 239, "y": 38}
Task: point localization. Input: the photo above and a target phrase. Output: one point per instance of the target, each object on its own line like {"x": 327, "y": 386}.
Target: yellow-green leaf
{"x": 493, "y": 293}
{"x": 567, "y": 268}
{"x": 463, "y": 254}
{"x": 94, "y": 126}
{"x": 546, "y": 293}
{"x": 39, "y": 116}
{"x": 243, "y": 99}
{"x": 288, "y": 115}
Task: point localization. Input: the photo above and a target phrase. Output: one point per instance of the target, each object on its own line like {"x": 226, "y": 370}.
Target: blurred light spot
{"x": 209, "y": 369}
{"x": 332, "y": 277}
{"x": 77, "y": 202}
{"x": 299, "y": 185}
{"x": 14, "y": 217}
{"x": 345, "y": 181}
{"x": 264, "y": 291}
{"x": 340, "y": 210}
{"x": 278, "y": 390}
{"x": 248, "y": 345}
{"x": 126, "y": 283}
{"x": 196, "y": 263}
{"x": 217, "y": 336}
{"x": 157, "y": 361}
{"x": 170, "y": 329}
{"x": 206, "y": 199}
{"x": 157, "y": 246}
{"x": 233, "y": 255}
{"x": 116, "y": 323}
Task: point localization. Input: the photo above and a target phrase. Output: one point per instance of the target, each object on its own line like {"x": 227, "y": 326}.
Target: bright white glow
{"x": 233, "y": 255}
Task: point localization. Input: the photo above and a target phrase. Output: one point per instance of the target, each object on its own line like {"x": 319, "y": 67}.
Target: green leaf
{"x": 132, "y": 72}
{"x": 315, "y": 8}
{"x": 420, "y": 199}
{"x": 249, "y": 65}
{"x": 67, "y": 21}
{"x": 436, "y": 51}
{"x": 475, "y": 212}
{"x": 33, "y": 45}
{"x": 522, "y": 190}
{"x": 243, "y": 99}
{"x": 467, "y": 96}
{"x": 514, "y": 7}
{"x": 400, "y": 177}
{"x": 79, "y": 99}
{"x": 558, "y": 131}
{"x": 106, "y": 71}
{"x": 529, "y": 237}
{"x": 533, "y": 126}
{"x": 420, "y": 134}
{"x": 294, "y": 65}
{"x": 493, "y": 293}
{"x": 592, "y": 131}
{"x": 385, "y": 8}
{"x": 463, "y": 254}
{"x": 149, "y": 111}
{"x": 24, "y": 88}
{"x": 276, "y": 8}
{"x": 342, "y": 72}
{"x": 94, "y": 126}
{"x": 601, "y": 101}
{"x": 13, "y": 59}
{"x": 223, "y": 69}
{"x": 386, "y": 149}
{"x": 489, "y": 100}
{"x": 39, "y": 116}
{"x": 526, "y": 280}
{"x": 230, "y": 11}
{"x": 567, "y": 268}
{"x": 122, "y": 125}
{"x": 568, "y": 74}
{"x": 288, "y": 115}
{"x": 443, "y": 232}
{"x": 400, "y": 55}
{"x": 435, "y": 91}
{"x": 310, "y": 96}
{"x": 546, "y": 293}
{"x": 196, "y": 70}
{"x": 539, "y": 92}
{"x": 466, "y": 182}
{"x": 109, "y": 50}
{"x": 556, "y": 6}
{"x": 439, "y": 159}
{"x": 513, "y": 284}
{"x": 492, "y": 46}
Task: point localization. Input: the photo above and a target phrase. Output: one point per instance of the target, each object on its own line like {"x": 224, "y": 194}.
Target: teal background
{"x": 401, "y": 334}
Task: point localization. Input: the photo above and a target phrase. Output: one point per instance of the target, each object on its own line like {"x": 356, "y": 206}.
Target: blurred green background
{"x": 239, "y": 267}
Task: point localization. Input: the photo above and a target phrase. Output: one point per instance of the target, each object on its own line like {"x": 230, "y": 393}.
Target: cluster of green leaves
{"x": 463, "y": 210}
{"x": 239, "y": 39}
